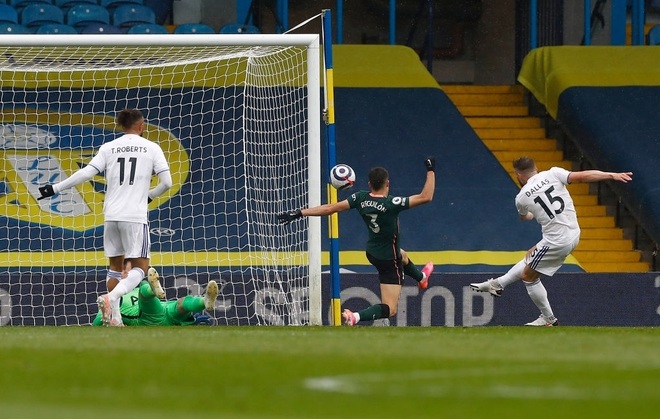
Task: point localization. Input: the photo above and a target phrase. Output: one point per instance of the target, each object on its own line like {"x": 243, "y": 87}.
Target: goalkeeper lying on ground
{"x": 140, "y": 307}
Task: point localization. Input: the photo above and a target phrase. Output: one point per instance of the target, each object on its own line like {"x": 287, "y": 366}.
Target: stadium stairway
{"x": 500, "y": 117}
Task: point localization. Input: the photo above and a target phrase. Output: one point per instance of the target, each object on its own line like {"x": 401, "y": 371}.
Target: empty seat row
{"x": 141, "y": 28}
{"x": 79, "y": 16}
{"x": 66, "y": 4}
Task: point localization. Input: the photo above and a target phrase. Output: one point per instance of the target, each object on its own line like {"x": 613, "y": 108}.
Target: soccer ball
{"x": 342, "y": 177}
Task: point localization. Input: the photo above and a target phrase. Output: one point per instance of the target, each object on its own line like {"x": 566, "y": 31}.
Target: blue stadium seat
{"x": 100, "y": 29}
{"x": 85, "y": 14}
{"x": 238, "y": 29}
{"x": 654, "y": 35}
{"x": 67, "y": 4}
{"x": 35, "y": 15}
{"x": 20, "y": 4}
{"x": 194, "y": 28}
{"x": 56, "y": 28}
{"x": 111, "y": 5}
{"x": 8, "y": 14}
{"x": 148, "y": 28}
{"x": 130, "y": 15}
{"x": 13, "y": 29}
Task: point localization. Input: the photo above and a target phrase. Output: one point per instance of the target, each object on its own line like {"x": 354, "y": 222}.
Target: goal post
{"x": 238, "y": 117}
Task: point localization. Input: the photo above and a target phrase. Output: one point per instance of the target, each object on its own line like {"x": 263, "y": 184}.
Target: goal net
{"x": 238, "y": 117}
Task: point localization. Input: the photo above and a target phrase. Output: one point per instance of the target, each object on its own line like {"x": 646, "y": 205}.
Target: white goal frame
{"x": 310, "y": 41}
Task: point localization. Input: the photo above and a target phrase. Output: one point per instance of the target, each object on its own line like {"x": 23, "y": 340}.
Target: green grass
{"x": 274, "y": 372}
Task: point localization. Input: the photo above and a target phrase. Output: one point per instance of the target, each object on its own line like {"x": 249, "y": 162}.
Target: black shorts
{"x": 389, "y": 271}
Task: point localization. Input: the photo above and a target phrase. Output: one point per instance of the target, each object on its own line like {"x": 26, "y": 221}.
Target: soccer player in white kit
{"x": 544, "y": 197}
{"x": 128, "y": 163}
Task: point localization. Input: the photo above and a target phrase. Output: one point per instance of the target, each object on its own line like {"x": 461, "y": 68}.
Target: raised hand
{"x": 287, "y": 217}
{"x": 430, "y": 164}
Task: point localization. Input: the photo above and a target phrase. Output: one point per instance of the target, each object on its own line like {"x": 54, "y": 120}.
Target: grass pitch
{"x": 284, "y": 372}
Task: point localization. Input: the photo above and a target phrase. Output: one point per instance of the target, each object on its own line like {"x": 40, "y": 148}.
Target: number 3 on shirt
{"x": 373, "y": 225}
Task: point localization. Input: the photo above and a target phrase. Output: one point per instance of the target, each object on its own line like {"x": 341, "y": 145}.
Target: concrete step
{"x": 510, "y": 156}
{"x": 474, "y": 110}
{"x": 597, "y": 222}
{"x": 482, "y": 99}
{"x": 591, "y": 211}
{"x": 545, "y": 165}
{"x": 531, "y": 145}
{"x": 498, "y": 133}
{"x": 491, "y": 89}
{"x": 605, "y": 245}
{"x": 615, "y": 266}
{"x": 578, "y": 189}
{"x": 601, "y": 233}
{"x": 584, "y": 256}
{"x": 580, "y": 200}
{"x": 504, "y": 122}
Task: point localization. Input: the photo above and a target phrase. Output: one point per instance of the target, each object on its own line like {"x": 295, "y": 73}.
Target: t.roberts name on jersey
{"x": 129, "y": 149}
{"x": 537, "y": 187}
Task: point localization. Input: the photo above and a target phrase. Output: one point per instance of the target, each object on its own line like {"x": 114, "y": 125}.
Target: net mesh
{"x": 232, "y": 122}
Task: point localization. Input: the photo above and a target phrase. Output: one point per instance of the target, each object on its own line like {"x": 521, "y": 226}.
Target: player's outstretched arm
{"x": 82, "y": 175}
{"x": 426, "y": 195}
{"x": 597, "y": 176}
{"x": 325, "y": 209}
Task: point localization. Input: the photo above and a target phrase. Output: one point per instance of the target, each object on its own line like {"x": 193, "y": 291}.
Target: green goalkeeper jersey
{"x": 140, "y": 308}
{"x": 381, "y": 215}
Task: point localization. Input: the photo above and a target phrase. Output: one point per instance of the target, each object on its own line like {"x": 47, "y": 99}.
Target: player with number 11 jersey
{"x": 129, "y": 162}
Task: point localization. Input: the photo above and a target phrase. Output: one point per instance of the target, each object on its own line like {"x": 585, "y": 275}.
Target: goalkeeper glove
{"x": 202, "y": 319}
{"x": 46, "y": 192}
{"x": 430, "y": 164}
{"x": 287, "y": 217}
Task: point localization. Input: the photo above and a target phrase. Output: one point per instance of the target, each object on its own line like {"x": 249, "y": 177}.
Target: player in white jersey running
{"x": 544, "y": 197}
{"x": 128, "y": 163}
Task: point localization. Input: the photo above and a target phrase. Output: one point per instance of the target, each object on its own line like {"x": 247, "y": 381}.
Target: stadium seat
{"x": 193, "y": 28}
{"x": 83, "y": 15}
{"x": 67, "y": 4}
{"x": 35, "y": 15}
{"x": 13, "y": 29}
{"x": 20, "y": 4}
{"x": 111, "y": 5}
{"x": 56, "y": 28}
{"x": 130, "y": 15}
{"x": 8, "y": 14}
{"x": 654, "y": 35}
{"x": 148, "y": 28}
{"x": 238, "y": 29}
{"x": 100, "y": 29}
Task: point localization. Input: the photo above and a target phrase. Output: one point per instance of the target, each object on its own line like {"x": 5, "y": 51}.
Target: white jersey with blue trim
{"x": 128, "y": 163}
{"x": 545, "y": 196}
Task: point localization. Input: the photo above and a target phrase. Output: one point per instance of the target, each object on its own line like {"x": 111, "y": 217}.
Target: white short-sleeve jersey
{"x": 128, "y": 163}
{"x": 546, "y": 197}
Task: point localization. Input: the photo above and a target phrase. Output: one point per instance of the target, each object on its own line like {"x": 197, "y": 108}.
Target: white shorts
{"x": 130, "y": 240}
{"x": 547, "y": 258}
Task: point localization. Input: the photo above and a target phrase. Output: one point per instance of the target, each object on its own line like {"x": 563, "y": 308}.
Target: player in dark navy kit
{"x": 380, "y": 213}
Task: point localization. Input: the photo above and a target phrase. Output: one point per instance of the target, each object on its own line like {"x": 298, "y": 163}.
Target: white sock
{"x": 125, "y": 286}
{"x": 514, "y": 274}
{"x": 112, "y": 275}
{"x": 539, "y": 296}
